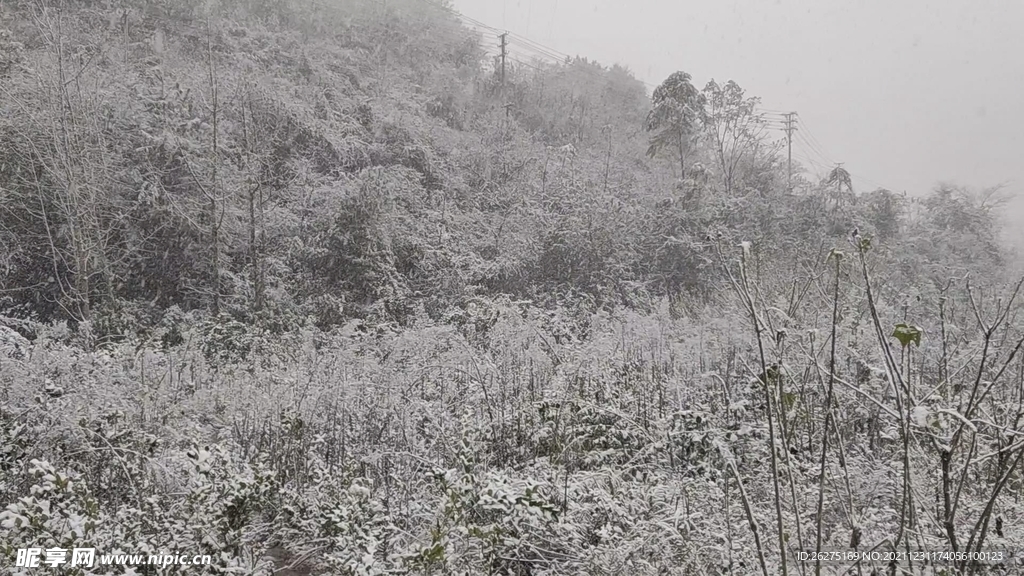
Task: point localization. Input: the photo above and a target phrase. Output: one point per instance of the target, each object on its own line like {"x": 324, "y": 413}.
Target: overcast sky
{"x": 905, "y": 92}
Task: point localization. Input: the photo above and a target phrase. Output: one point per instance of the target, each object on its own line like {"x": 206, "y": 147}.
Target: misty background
{"x": 904, "y": 94}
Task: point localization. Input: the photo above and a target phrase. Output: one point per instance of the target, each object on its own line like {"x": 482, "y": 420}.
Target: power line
{"x": 811, "y": 148}
{"x": 527, "y": 64}
{"x": 871, "y": 182}
{"x": 814, "y": 140}
{"x": 813, "y": 143}
{"x": 536, "y": 52}
{"x": 541, "y": 48}
{"x": 505, "y": 38}
{"x": 553, "y": 54}
{"x": 462, "y": 16}
{"x": 810, "y": 162}
{"x": 773, "y": 118}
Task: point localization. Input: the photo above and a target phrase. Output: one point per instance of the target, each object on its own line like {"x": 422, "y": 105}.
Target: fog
{"x": 905, "y": 94}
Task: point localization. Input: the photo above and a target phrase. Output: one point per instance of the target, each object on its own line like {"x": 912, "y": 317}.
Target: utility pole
{"x": 503, "y": 45}
{"x": 790, "y": 128}
{"x": 504, "y": 52}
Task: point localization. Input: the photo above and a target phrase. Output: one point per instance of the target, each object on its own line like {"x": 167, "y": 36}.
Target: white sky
{"x": 905, "y": 92}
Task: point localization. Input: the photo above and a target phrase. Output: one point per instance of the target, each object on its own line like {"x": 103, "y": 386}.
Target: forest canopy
{"x": 349, "y": 160}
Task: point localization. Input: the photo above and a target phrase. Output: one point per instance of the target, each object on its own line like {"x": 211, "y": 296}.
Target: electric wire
{"x": 774, "y": 119}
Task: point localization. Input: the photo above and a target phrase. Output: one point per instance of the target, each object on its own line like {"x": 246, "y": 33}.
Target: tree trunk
{"x": 682, "y": 158}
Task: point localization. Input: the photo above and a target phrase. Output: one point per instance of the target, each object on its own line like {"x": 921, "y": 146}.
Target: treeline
{"x": 285, "y": 163}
